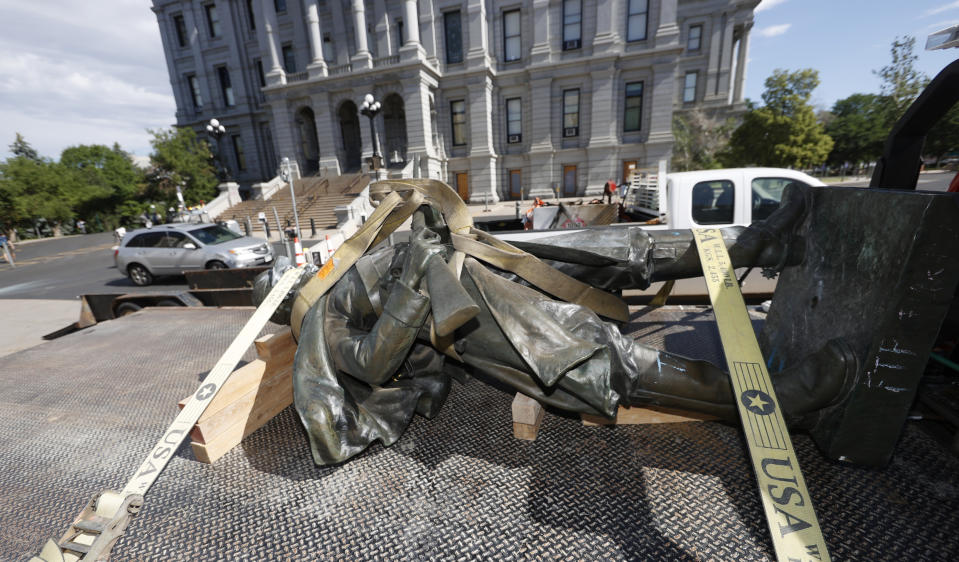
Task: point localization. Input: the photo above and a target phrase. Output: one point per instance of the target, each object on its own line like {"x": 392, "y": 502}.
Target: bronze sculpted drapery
{"x": 366, "y": 361}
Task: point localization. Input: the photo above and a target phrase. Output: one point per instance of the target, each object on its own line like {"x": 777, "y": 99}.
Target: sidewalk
{"x": 25, "y": 321}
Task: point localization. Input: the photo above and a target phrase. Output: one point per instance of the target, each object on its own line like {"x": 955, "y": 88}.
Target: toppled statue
{"x": 368, "y": 358}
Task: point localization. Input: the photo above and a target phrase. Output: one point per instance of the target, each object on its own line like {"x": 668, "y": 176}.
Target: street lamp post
{"x": 286, "y": 174}
{"x": 216, "y": 131}
{"x": 370, "y": 108}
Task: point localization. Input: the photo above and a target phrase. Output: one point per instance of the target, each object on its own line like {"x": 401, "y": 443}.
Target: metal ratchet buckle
{"x": 95, "y": 530}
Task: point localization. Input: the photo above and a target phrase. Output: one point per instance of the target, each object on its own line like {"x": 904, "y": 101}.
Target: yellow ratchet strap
{"x": 789, "y": 511}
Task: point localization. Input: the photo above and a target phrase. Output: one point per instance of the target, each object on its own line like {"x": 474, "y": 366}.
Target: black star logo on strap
{"x": 758, "y": 402}
{"x": 205, "y": 391}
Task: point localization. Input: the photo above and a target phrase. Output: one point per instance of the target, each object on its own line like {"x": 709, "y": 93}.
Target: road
{"x": 928, "y": 181}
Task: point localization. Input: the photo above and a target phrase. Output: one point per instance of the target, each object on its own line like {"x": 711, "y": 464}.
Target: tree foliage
{"x": 21, "y": 148}
{"x": 785, "y": 131}
{"x": 179, "y": 157}
{"x": 859, "y": 126}
{"x": 698, "y": 139}
{"x": 901, "y": 81}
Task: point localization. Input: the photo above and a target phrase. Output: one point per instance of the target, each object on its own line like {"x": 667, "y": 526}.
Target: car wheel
{"x": 139, "y": 275}
{"x": 216, "y": 265}
{"x": 127, "y": 308}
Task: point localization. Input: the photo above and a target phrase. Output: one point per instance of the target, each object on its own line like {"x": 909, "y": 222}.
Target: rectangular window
{"x": 570, "y": 113}
{"x": 279, "y": 5}
{"x": 695, "y": 38}
{"x": 329, "y": 55}
{"x": 399, "y": 33}
{"x": 226, "y": 88}
{"x": 689, "y": 87}
{"x": 238, "y": 153}
{"x": 212, "y": 20}
{"x": 250, "y": 14}
{"x": 637, "y": 11}
{"x": 260, "y": 75}
{"x": 713, "y": 202}
{"x": 572, "y": 24}
{"x": 454, "y": 37}
{"x": 512, "y": 41}
{"x": 458, "y": 115}
{"x": 633, "y": 114}
{"x": 195, "y": 91}
{"x": 514, "y": 120}
{"x": 289, "y": 59}
{"x": 180, "y": 25}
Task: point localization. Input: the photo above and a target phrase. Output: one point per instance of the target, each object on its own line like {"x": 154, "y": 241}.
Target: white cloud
{"x": 940, "y": 9}
{"x": 773, "y": 30}
{"x": 767, "y": 4}
{"x": 91, "y": 74}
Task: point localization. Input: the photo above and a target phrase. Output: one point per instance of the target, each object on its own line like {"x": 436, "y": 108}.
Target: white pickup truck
{"x": 733, "y": 196}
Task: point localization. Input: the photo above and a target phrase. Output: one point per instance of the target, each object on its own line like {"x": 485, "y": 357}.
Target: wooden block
{"x": 652, "y": 414}
{"x": 527, "y": 415}
{"x": 211, "y": 451}
{"x": 273, "y": 345}
{"x": 241, "y": 381}
{"x": 276, "y": 389}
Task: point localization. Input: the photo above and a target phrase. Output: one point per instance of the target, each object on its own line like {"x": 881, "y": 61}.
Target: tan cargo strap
{"x": 792, "y": 521}
{"x": 491, "y": 250}
{"x": 498, "y": 253}
{"x": 380, "y": 224}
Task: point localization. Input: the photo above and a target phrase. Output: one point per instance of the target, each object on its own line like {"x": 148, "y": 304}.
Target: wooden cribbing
{"x": 252, "y": 396}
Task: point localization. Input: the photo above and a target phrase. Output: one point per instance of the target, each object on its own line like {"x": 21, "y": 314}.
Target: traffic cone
{"x": 298, "y": 248}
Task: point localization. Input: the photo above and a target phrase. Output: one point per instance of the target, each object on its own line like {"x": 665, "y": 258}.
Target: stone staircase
{"x": 316, "y": 197}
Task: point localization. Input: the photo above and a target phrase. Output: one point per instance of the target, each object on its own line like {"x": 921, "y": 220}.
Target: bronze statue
{"x": 367, "y": 361}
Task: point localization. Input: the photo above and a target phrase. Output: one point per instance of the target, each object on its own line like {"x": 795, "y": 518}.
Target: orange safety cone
{"x": 298, "y": 249}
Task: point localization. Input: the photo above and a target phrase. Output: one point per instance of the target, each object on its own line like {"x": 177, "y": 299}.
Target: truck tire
{"x": 140, "y": 275}
{"x": 127, "y": 308}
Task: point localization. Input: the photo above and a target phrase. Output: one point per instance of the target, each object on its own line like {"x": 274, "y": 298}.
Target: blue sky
{"x": 845, "y": 40}
{"x": 94, "y": 72}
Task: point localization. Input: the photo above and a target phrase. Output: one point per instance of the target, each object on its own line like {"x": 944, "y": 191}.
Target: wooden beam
{"x": 652, "y": 414}
{"x": 527, "y": 416}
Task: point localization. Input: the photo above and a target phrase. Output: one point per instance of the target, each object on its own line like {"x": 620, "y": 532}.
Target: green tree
{"x": 179, "y": 157}
{"x": 785, "y": 131}
{"x": 901, "y": 81}
{"x": 859, "y": 127}
{"x": 698, "y": 138}
{"x": 34, "y": 190}
{"x": 103, "y": 179}
{"x": 943, "y": 138}
{"x": 20, "y": 147}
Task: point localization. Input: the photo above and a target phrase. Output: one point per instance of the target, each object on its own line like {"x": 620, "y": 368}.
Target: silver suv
{"x": 171, "y": 249}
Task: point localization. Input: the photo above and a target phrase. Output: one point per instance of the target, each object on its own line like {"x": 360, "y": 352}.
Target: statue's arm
{"x": 373, "y": 356}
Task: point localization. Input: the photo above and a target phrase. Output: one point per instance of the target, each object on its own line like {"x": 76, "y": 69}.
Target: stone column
{"x": 667, "y": 34}
{"x": 412, "y": 48}
{"x": 477, "y": 33}
{"x": 726, "y": 61}
{"x": 317, "y": 66}
{"x": 362, "y": 58}
{"x": 538, "y": 180}
{"x": 202, "y": 70}
{"x": 483, "y": 174}
{"x": 275, "y": 75}
{"x": 741, "y": 64}
{"x": 419, "y": 130}
{"x": 610, "y": 23}
{"x": 605, "y": 120}
{"x": 325, "y": 123}
{"x": 542, "y": 50}
{"x": 659, "y": 143}
{"x": 283, "y": 136}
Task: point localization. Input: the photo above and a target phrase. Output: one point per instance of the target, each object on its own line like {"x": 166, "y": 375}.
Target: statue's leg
{"x": 666, "y": 379}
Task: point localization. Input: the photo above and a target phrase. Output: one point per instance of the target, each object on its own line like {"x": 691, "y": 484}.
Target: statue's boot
{"x": 821, "y": 380}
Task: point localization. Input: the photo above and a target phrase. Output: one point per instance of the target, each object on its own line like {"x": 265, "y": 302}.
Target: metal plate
{"x": 455, "y": 487}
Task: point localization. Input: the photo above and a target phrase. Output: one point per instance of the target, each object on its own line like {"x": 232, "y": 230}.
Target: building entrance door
{"x": 569, "y": 181}
{"x": 463, "y": 185}
{"x": 515, "y": 184}
{"x": 629, "y": 166}
{"x": 352, "y": 143}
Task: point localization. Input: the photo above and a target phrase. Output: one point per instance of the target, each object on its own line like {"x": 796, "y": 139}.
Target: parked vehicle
{"x": 726, "y": 197}
{"x": 172, "y": 249}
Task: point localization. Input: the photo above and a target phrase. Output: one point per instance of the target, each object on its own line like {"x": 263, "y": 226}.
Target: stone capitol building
{"x": 500, "y": 99}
